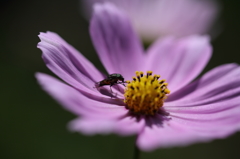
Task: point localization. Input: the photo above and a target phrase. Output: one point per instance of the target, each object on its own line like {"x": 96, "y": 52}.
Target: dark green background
{"x": 33, "y": 125}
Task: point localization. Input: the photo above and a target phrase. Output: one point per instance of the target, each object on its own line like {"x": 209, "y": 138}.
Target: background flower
{"x": 204, "y": 110}
{"x": 154, "y": 18}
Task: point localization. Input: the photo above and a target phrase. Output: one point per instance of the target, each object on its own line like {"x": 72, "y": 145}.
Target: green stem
{"x": 136, "y": 152}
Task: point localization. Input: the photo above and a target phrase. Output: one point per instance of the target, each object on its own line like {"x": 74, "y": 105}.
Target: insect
{"x": 111, "y": 80}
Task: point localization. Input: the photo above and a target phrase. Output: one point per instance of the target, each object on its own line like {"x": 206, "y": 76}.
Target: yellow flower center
{"x": 145, "y": 94}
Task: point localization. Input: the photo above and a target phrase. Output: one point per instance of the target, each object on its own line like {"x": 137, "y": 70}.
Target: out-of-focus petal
{"x": 182, "y": 132}
{"x": 123, "y": 126}
{"x": 179, "y": 61}
{"x": 170, "y": 134}
{"x": 221, "y": 83}
{"x": 78, "y": 103}
{"x": 195, "y": 125}
{"x": 156, "y": 18}
{"x": 66, "y": 62}
{"x": 117, "y": 44}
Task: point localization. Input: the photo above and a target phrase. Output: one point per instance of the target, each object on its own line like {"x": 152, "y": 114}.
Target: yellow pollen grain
{"x": 145, "y": 94}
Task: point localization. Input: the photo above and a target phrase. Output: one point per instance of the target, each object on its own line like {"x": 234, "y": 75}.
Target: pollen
{"x": 145, "y": 94}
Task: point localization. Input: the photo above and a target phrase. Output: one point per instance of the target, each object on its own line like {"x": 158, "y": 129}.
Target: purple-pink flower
{"x": 158, "y": 18}
{"x": 199, "y": 111}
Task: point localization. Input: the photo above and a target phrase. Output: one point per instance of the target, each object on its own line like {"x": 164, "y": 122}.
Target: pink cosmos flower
{"x": 206, "y": 109}
{"x": 155, "y": 18}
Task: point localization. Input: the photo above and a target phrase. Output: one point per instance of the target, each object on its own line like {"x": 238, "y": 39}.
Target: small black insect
{"x": 111, "y": 80}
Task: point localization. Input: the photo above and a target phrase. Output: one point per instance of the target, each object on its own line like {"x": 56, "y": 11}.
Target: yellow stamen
{"x": 145, "y": 94}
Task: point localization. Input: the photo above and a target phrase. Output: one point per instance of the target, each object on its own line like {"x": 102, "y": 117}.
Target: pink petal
{"x": 122, "y": 126}
{"x": 219, "y": 84}
{"x": 179, "y": 61}
{"x": 219, "y": 111}
{"x": 88, "y": 105}
{"x": 211, "y": 116}
{"x": 227, "y": 119}
{"x": 167, "y": 135}
{"x": 66, "y": 62}
{"x": 117, "y": 44}
{"x": 156, "y": 18}
{"x": 182, "y": 131}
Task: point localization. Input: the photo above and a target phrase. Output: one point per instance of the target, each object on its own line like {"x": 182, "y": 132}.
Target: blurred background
{"x": 33, "y": 125}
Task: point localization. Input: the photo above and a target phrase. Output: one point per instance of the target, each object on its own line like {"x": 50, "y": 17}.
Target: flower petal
{"x": 212, "y": 116}
{"x": 80, "y": 104}
{"x": 185, "y": 129}
{"x": 176, "y": 132}
{"x": 179, "y": 61}
{"x": 122, "y": 126}
{"x": 156, "y": 18}
{"x": 168, "y": 135}
{"x": 221, "y": 83}
{"x": 213, "y": 113}
{"x": 66, "y": 62}
{"x": 117, "y": 45}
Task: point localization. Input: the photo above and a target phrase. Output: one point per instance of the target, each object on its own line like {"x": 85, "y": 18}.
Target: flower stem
{"x": 136, "y": 154}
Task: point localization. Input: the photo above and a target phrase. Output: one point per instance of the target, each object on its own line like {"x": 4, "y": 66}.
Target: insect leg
{"x": 122, "y": 83}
